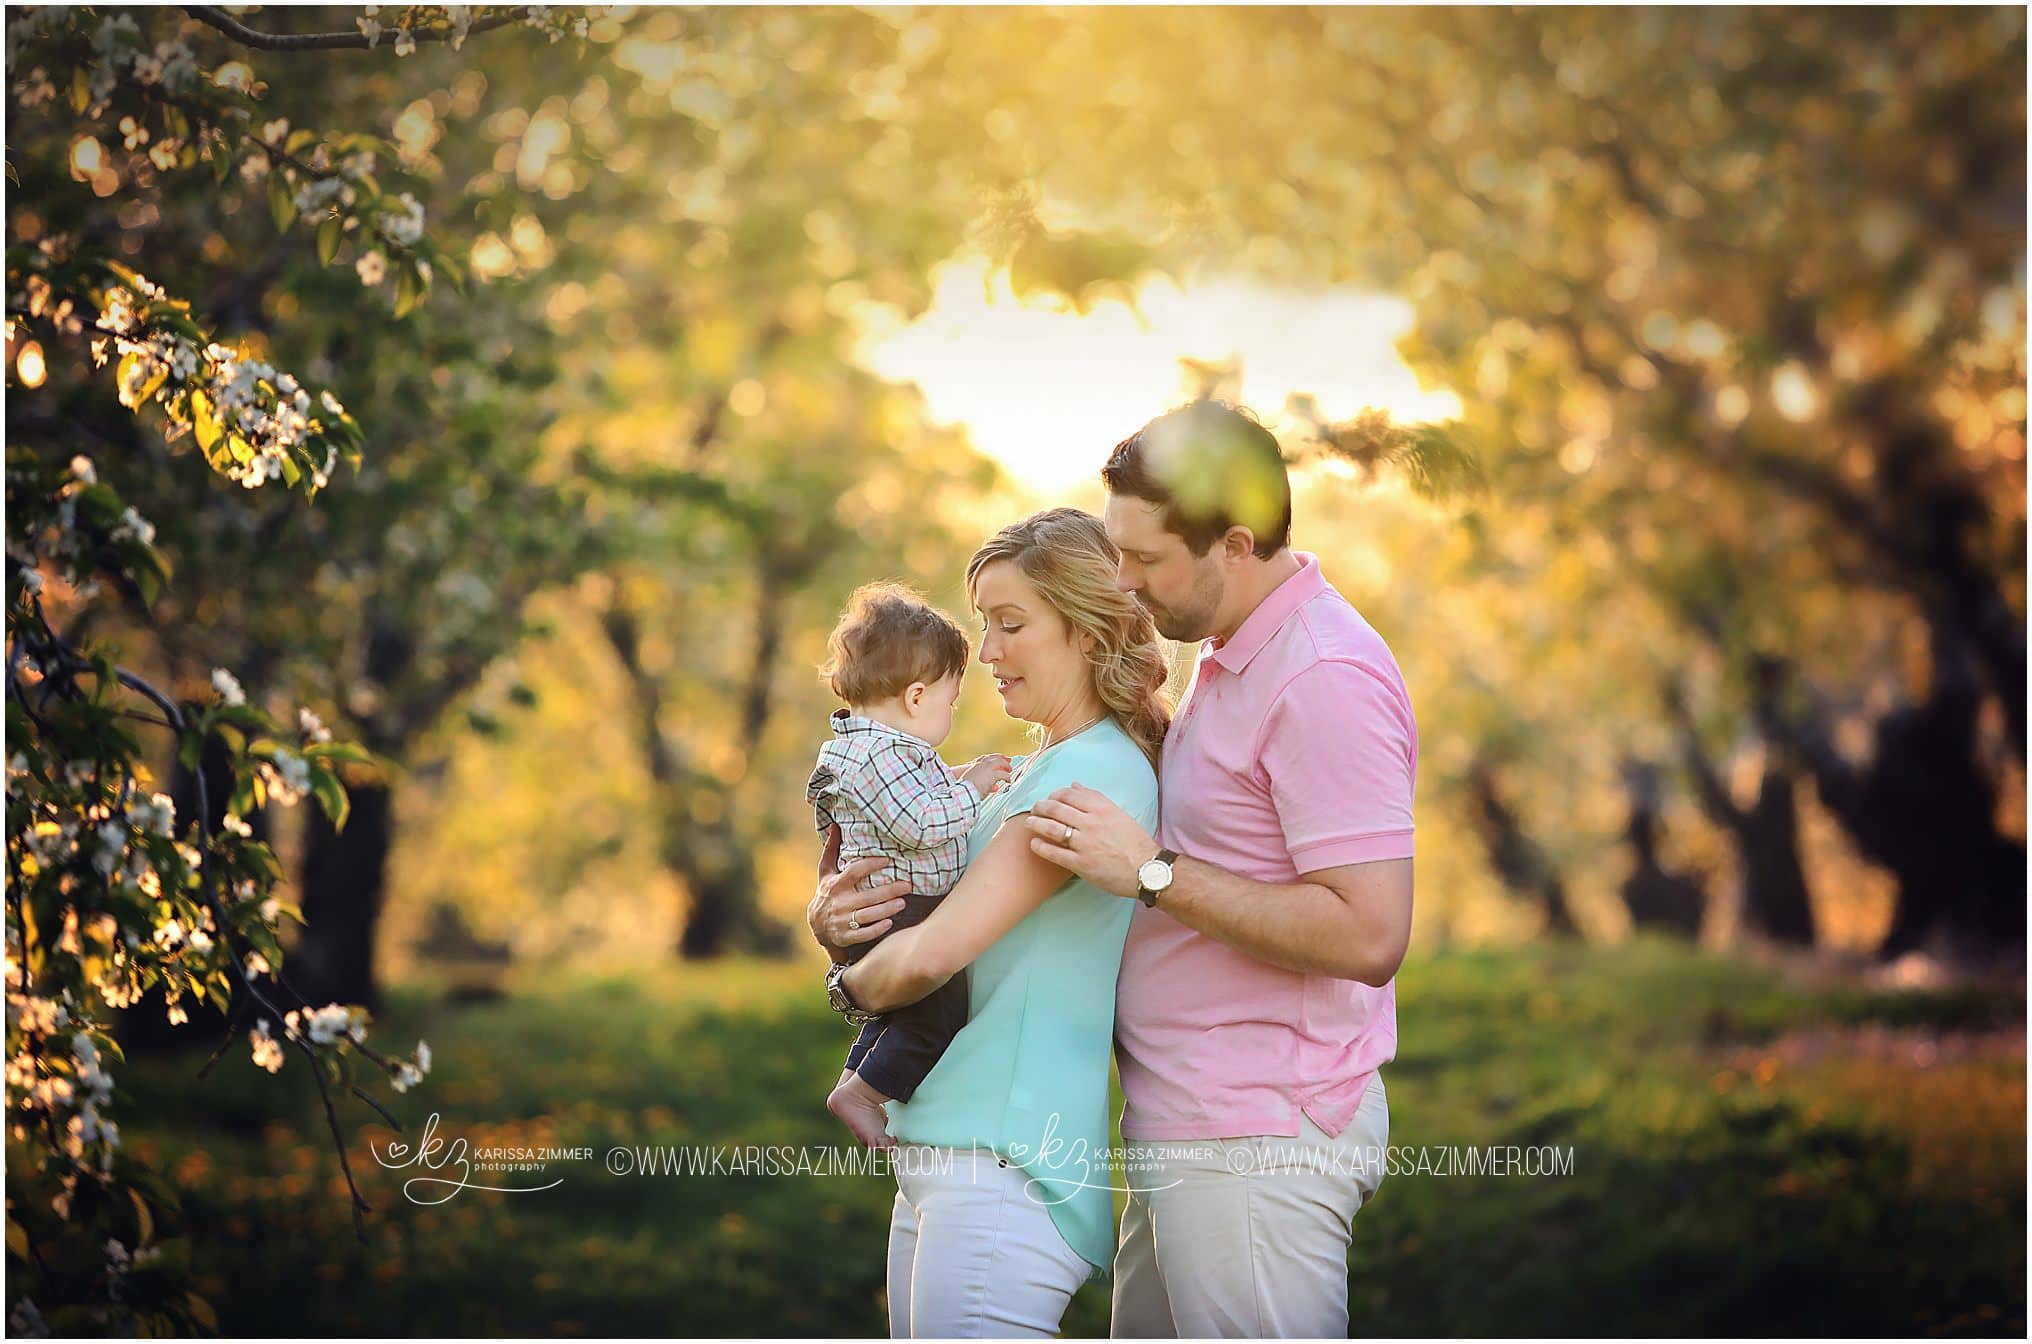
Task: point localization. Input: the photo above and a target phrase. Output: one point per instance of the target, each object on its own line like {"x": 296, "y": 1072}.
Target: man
{"x": 1256, "y": 1000}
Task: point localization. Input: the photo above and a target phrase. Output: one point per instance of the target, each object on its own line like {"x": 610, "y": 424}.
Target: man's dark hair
{"x": 1212, "y": 466}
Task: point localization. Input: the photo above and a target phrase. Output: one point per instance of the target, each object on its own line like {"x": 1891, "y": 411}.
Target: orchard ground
{"x": 1752, "y": 1153}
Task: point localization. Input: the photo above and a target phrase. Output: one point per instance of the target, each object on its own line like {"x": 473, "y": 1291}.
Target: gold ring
{"x": 1068, "y": 837}
{"x": 853, "y": 921}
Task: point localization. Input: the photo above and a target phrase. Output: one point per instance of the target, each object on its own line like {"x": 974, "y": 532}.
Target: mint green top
{"x": 1027, "y": 1076}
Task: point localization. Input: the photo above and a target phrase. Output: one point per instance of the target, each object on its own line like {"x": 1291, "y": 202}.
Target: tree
{"x": 110, "y": 895}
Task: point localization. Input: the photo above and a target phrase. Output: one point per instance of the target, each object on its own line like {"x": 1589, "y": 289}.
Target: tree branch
{"x": 214, "y": 17}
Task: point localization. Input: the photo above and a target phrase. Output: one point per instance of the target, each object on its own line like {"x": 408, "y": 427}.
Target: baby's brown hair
{"x": 888, "y": 638}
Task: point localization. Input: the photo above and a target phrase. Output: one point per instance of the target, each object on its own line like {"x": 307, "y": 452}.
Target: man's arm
{"x": 1351, "y": 922}
{"x": 1339, "y": 751}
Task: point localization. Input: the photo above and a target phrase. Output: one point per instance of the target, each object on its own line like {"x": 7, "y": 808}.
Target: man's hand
{"x": 985, "y": 773}
{"x": 1106, "y": 847}
{"x": 842, "y": 914}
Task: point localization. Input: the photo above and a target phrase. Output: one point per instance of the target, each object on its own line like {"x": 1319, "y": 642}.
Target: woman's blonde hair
{"x": 1068, "y": 558}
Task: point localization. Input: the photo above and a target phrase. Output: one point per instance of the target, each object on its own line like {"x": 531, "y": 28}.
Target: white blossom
{"x": 26, "y": 1322}
{"x": 404, "y": 44}
{"x": 114, "y": 32}
{"x": 228, "y": 686}
{"x": 328, "y": 1023}
{"x": 287, "y": 776}
{"x": 132, "y": 524}
{"x": 178, "y": 65}
{"x": 36, "y": 89}
{"x": 267, "y": 1050}
{"x": 313, "y": 727}
{"x": 406, "y": 225}
{"x": 155, "y": 814}
{"x": 370, "y": 28}
{"x": 112, "y": 847}
{"x": 372, "y": 266}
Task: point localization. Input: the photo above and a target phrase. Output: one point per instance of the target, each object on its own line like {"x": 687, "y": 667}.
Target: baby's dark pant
{"x": 895, "y": 1051}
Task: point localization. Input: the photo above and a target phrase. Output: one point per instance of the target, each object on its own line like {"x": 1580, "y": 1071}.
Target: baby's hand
{"x": 986, "y": 773}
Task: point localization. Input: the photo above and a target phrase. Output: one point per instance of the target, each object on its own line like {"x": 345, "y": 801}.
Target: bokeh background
{"x": 1653, "y": 380}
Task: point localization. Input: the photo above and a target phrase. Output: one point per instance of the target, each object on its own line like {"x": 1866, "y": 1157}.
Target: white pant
{"x": 971, "y": 1255}
{"x": 1248, "y": 1237}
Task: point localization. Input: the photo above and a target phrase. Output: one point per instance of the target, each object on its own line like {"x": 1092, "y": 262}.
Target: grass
{"x": 1749, "y": 1157}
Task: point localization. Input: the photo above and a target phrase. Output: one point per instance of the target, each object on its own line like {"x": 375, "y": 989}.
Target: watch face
{"x": 1154, "y": 875}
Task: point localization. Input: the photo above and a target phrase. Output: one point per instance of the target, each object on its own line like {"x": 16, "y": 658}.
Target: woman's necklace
{"x": 1075, "y": 732}
{"x": 1031, "y": 759}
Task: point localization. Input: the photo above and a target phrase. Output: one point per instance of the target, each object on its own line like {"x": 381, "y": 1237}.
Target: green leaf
{"x": 151, "y": 572}
{"x": 81, "y": 90}
{"x": 408, "y": 289}
{"x": 328, "y": 241}
{"x": 245, "y": 797}
{"x": 131, "y": 396}
{"x": 340, "y": 751}
{"x": 205, "y": 421}
{"x": 331, "y": 795}
{"x": 201, "y": 1312}
{"x": 280, "y": 203}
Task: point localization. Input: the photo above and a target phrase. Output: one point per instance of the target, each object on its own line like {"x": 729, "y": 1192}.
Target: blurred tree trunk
{"x": 702, "y": 842}
{"x": 344, "y": 879}
{"x": 343, "y": 875}
{"x": 1776, "y": 900}
{"x": 1519, "y": 861}
{"x": 1656, "y": 897}
{"x": 1923, "y": 808}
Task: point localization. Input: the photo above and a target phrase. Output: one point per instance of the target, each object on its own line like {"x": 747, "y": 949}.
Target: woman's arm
{"x": 1002, "y": 886}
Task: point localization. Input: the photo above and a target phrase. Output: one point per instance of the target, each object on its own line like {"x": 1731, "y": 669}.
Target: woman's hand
{"x": 842, "y": 914}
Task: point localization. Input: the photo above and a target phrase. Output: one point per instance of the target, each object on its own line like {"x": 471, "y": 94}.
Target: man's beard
{"x": 1187, "y": 625}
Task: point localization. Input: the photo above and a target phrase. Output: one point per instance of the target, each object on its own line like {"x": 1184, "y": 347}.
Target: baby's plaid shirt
{"x": 892, "y": 794}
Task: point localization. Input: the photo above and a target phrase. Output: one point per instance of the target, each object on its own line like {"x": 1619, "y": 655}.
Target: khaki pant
{"x": 1246, "y": 1237}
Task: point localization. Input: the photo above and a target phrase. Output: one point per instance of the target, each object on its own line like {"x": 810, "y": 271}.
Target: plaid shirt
{"x": 892, "y": 795}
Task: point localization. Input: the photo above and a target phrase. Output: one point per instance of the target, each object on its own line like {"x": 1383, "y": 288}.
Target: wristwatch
{"x": 842, "y": 1002}
{"x": 1154, "y": 876}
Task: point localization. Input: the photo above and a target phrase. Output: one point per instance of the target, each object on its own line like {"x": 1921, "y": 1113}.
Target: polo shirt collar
{"x": 1270, "y": 614}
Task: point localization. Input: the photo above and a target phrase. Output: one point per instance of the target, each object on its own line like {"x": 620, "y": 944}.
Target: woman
{"x": 1003, "y": 1204}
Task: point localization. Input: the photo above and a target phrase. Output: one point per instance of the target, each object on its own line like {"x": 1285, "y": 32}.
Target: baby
{"x": 897, "y": 662}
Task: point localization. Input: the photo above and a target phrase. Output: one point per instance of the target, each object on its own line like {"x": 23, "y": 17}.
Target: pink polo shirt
{"x": 1295, "y": 750}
